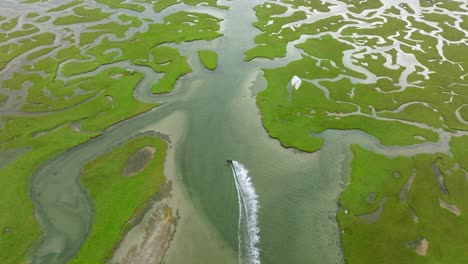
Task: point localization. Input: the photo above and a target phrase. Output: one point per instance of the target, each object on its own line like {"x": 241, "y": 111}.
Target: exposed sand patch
{"x": 111, "y": 100}
{"x": 153, "y": 241}
{"x": 76, "y": 126}
{"x": 43, "y": 132}
{"x": 419, "y": 137}
{"x": 414, "y": 216}
{"x": 138, "y": 161}
{"x": 406, "y": 188}
{"x": 451, "y": 207}
{"x": 116, "y": 76}
{"x": 421, "y": 249}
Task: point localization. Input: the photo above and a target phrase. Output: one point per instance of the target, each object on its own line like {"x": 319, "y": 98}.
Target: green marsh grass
{"x": 209, "y": 59}
{"x": 118, "y": 199}
{"x": 387, "y": 240}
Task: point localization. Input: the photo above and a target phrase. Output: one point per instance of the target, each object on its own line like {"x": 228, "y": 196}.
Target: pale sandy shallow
{"x": 451, "y": 207}
{"x": 422, "y": 248}
{"x": 154, "y": 240}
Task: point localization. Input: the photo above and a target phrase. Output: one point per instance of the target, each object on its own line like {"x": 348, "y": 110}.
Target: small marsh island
{"x": 347, "y": 121}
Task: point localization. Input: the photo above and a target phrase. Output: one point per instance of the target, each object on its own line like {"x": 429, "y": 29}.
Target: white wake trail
{"x": 249, "y": 252}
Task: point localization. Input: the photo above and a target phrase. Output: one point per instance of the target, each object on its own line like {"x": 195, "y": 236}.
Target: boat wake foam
{"x": 249, "y": 252}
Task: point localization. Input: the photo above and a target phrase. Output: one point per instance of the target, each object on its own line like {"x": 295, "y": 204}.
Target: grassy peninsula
{"x": 119, "y": 198}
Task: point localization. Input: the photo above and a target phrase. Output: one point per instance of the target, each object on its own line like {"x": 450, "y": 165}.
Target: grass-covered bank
{"x": 411, "y": 201}
{"x": 292, "y": 115}
{"x": 118, "y": 199}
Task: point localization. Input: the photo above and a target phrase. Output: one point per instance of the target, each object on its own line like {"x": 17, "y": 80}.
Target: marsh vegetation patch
{"x": 62, "y": 81}
{"x": 397, "y": 72}
{"x": 120, "y": 201}
{"x": 415, "y": 207}
{"x": 209, "y": 59}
